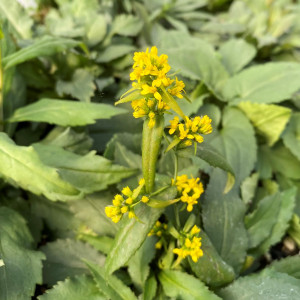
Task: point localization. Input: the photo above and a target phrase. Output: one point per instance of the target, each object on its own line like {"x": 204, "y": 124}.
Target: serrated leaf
{"x": 81, "y": 86}
{"x": 223, "y": 220}
{"x": 46, "y": 46}
{"x": 210, "y": 268}
{"x": 21, "y": 266}
{"x": 130, "y": 237}
{"x": 110, "y": 285}
{"x": 75, "y": 288}
{"x": 22, "y": 166}
{"x": 65, "y": 113}
{"x": 182, "y": 285}
{"x": 127, "y": 25}
{"x": 64, "y": 259}
{"x": 270, "y": 120}
{"x": 265, "y": 83}
{"x": 266, "y": 285}
{"x": 289, "y": 265}
{"x": 291, "y": 135}
{"x": 88, "y": 173}
{"x": 236, "y": 54}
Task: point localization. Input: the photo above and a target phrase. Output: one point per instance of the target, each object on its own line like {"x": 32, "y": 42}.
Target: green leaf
{"x": 291, "y": 136}
{"x": 46, "y": 46}
{"x": 88, "y": 173}
{"x": 270, "y": 120}
{"x": 248, "y": 188}
{"x": 184, "y": 286}
{"x": 76, "y": 288}
{"x": 65, "y": 113}
{"x": 22, "y": 166}
{"x": 138, "y": 265}
{"x": 223, "y": 220}
{"x": 266, "y": 83}
{"x": 113, "y": 52}
{"x": 96, "y": 30}
{"x": 21, "y": 266}
{"x": 131, "y": 236}
{"x": 110, "y": 285}
{"x": 261, "y": 221}
{"x": 17, "y": 17}
{"x": 289, "y": 265}
{"x": 265, "y": 285}
{"x": 279, "y": 229}
{"x": 101, "y": 243}
{"x": 210, "y": 268}
{"x": 236, "y": 54}
{"x": 150, "y": 288}
{"x": 294, "y": 230}
{"x": 127, "y": 25}
{"x": 64, "y": 259}
{"x": 81, "y": 86}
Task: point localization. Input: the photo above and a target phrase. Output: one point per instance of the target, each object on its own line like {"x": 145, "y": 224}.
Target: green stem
{"x": 1, "y": 88}
{"x": 159, "y": 190}
{"x": 175, "y": 166}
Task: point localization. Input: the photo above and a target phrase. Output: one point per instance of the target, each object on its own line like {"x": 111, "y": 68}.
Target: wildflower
{"x": 191, "y": 245}
{"x": 191, "y": 129}
{"x": 189, "y": 189}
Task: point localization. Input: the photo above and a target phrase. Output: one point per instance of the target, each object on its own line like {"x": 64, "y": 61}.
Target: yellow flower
{"x": 174, "y": 124}
{"x": 145, "y": 199}
{"x": 177, "y": 89}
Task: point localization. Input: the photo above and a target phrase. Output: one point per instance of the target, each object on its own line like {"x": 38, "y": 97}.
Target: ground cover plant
{"x": 149, "y": 149}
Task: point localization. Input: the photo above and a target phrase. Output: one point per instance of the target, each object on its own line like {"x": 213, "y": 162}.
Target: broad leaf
{"x": 294, "y": 230}
{"x": 183, "y": 286}
{"x": 22, "y": 166}
{"x": 269, "y": 120}
{"x": 65, "y": 113}
{"x": 266, "y": 285}
{"x": 127, "y": 25}
{"x": 87, "y": 173}
{"x": 291, "y": 135}
{"x": 130, "y": 237}
{"x": 46, "y": 46}
{"x": 113, "y": 52}
{"x": 289, "y": 265}
{"x": 21, "y": 266}
{"x": 75, "y": 288}
{"x": 236, "y": 54}
{"x": 64, "y": 259}
{"x": 267, "y": 83}
{"x": 110, "y": 285}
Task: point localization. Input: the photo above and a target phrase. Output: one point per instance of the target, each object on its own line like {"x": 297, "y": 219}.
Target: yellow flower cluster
{"x": 191, "y": 245}
{"x": 190, "y": 190}
{"x": 150, "y": 76}
{"x": 191, "y": 129}
{"x": 122, "y": 206}
{"x": 158, "y": 229}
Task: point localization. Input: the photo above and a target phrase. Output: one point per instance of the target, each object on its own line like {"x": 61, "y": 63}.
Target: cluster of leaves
{"x": 65, "y": 150}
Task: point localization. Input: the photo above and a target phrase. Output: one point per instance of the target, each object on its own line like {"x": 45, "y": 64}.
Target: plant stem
{"x": 159, "y": 190}
{"x": 1, "y": 88}
{"x": 175, "y": 165}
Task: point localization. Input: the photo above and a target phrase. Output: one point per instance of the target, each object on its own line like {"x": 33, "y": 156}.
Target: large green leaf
{"x": 184, "y": 286}
{"x": 270, "y": 120}
{"x": 210, "y": 268}
{"x": 110, "y": 285}
{"x": 267, "y": 83}
{"x": 291, "y": 136}
{"x": 75, "y": 288}
{"x": 223, "y": 220}
{"x": 64, "y": 259}
{"x": 65, "y": 113}
{"x": 289, "y": 265}
{"x": 21, "y": 266}
{"x": 266, "y": 285}
{"x": 236, "y": 54}
{"x": 127, "y": 25}
{"x": 294, "y": 230}
{"x": 22, "y": 166}
{"x": 88, "y": 173}
{"x": 46, "y": 46}
{"x": 130, "y": 236}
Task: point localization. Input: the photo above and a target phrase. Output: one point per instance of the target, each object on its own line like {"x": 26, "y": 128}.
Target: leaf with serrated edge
{"x": 289, "y": 265}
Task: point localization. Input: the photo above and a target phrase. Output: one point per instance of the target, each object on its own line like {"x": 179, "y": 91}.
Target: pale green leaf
{"x": 88, "y": 173}
{"x": 291, "y": 136}
{"x": 265, "y": 83}
{"x": 21, "y": 266}
{"x": 64, "y": 259}
{"x": 236, "y": 54}
{"x": 289, "y": 265}
{"x": 65, "y": 113}
{"x": 23, "y": 167}
{"x": 81, "y": 86}
{"x": 265, "y": 285}
{"x": 75, "y": 288}
{"x": 110, "y": 285}
{"x": 130, "y": 236}
{"x": 184, "y": 286}
{"x": 269, "y": 119}
{"x": 127, "y": 25}
{"x": 45, "y": 46}
{"x": 96, "y": 30}
{"x": 113, "y": 52}
{"x": 150, "y": 288}
{"x": 248, "y": 188}
{"x": 101, "y": 243}
{"x": 294, "y": 230}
